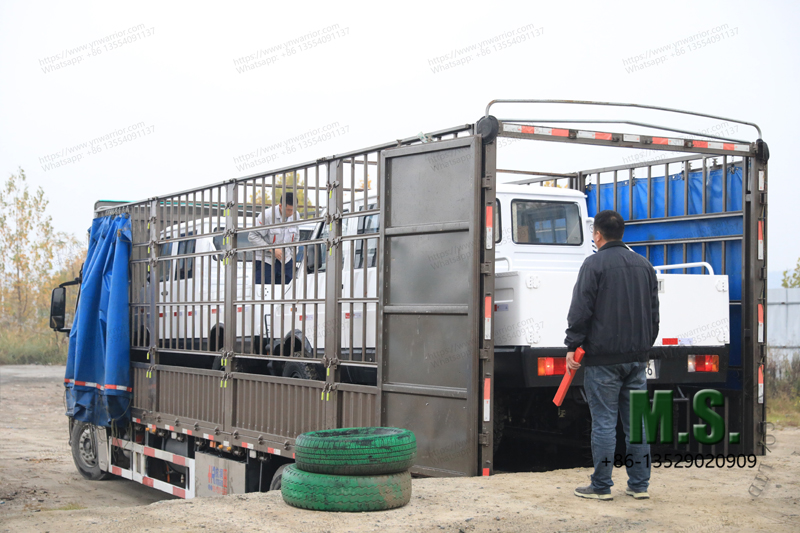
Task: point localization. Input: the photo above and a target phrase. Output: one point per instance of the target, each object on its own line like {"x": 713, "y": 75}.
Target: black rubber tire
{"x": 296, "y": 369}
{"x": 277, "y": 478}
{"x": 322, "y": 492}
{"x": 83, "y": 442}
{"x": 356, "y": 451}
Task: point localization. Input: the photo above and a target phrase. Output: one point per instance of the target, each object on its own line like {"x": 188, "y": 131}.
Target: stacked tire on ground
{"x": 351, "y": 469}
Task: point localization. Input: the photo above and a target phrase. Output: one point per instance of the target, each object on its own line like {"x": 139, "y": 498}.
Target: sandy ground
{"x": 41, "y": 491}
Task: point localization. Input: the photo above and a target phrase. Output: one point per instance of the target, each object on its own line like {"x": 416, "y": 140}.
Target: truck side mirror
{"x": 58, "y": 306}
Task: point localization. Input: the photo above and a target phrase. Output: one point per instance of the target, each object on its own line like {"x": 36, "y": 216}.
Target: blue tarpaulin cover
{"x": 98, "y": 377}
{"x": 632, "y": 205}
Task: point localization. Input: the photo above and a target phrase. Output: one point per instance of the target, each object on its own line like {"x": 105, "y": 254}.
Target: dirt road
{"x": 41, "y": 491}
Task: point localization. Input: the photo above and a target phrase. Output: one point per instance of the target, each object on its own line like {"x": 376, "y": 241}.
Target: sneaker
{"x": 637, "y": 495}
{"x": 589, "y": 492}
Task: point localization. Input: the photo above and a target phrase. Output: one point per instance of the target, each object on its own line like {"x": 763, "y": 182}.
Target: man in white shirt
{"x": 278, "y": 264}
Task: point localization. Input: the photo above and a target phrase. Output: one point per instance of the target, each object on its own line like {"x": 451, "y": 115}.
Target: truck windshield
{"x": 540, "y": 222}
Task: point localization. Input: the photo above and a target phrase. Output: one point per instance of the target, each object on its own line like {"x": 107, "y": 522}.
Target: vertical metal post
{"x": 333, "y": 289}
{"x": 231, "y": 221}
{"x": 754, "y": 303}
{"x": 666, "y": 193}
{"x": 485, "y": 351}
{"x": 649, "y": 192}
{"x": 153, "y": 307}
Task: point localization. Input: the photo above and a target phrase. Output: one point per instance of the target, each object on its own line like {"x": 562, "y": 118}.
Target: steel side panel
{"x": 432, "y": 211}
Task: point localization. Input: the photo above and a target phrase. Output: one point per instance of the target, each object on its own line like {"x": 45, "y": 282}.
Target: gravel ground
{"x": 41, "y": 491}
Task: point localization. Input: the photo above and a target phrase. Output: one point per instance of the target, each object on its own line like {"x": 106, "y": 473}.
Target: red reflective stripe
{"x": 760, "y": 313}
{"x": 728, "y": 146}
{"x": 760, "y": 230}
{"x": 602, "y": 136}
{"x": 160, "y": 315}
{"x": 188, "y": 431}
{"x": 180, "y": 493}
{"x": 660, "y": 140}
{"x": 560, "y": 132}
{"x": 761, "y": 374}
{"x": 80, "y": 383}
{"x": 700, "y": 144}
{"x": 149, "y": 452}
{"x": 528, "y": 129}
{"x": 489, "y": 217}
{"x": 179, "y": 460}
{"x": 486, "y": 472}
{"x": 116, "y": 442}
{"x": 488, "y": 307}
{"x": 148, "y": 481}
{"x": 668, "y": 342}
{"x": 270, "y": 450}
{"x": 117, "y": 471}
{"x": 487, "y": 389}
{"x": 213, "y": 311}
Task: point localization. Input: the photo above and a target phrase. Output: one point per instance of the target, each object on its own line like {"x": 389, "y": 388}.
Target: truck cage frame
{"x": 217, "y": 385}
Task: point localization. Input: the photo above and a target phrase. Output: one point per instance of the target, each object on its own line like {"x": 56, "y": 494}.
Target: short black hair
{"x": 610, "y": 225}
{"x": 289, "y": 198}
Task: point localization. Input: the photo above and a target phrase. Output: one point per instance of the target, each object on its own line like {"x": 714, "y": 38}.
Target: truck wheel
{"x": 356, "y": 451}
{"x": 275, "y": 484}
{"x": 294, "y": 369}
{"x": 322, "y": 492}
{"x": 84, "y": 451}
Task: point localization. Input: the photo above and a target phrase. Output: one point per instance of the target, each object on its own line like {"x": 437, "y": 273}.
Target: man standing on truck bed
{"x": 614, "y": 317}
{"x": 277, "y": 263}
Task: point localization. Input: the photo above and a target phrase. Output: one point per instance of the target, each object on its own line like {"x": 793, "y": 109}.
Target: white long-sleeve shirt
{"x": 267, "y": 236}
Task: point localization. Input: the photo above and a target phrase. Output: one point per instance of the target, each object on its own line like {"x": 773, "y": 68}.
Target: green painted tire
{"x": 369, "y": 451}
{"x": 321, "y": 492}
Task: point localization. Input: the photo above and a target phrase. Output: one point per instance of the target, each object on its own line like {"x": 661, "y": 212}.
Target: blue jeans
{"x": 608, "y": 391}
{"x": 270, "y": 272}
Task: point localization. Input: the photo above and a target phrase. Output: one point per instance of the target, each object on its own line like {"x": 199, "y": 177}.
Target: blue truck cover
{"x": 677, "y": 229}
{"x": 97, "y": 380}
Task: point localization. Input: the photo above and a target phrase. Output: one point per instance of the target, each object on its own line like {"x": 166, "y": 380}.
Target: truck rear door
{"x": 431, "y": 323}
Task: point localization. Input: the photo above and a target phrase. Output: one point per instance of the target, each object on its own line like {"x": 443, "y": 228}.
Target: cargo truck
{"x": 435, "y": 300}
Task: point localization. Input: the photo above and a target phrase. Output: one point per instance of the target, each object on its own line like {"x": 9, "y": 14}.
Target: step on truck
{"x": 422, "y": 294}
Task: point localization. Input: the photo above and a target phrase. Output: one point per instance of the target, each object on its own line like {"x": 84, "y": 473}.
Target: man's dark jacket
{"x": 614, "y": 310}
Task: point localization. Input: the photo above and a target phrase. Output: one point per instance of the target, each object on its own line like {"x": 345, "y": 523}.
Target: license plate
{"x": 652, "y": 369}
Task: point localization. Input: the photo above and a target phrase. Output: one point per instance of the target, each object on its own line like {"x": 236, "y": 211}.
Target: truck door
{"x": 430, "y": 313}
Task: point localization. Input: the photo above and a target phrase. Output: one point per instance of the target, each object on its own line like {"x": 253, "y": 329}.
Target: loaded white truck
{"x": 434, "y": 301}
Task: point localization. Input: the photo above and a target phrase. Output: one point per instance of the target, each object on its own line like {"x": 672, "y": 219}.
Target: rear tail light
{"x": 703, "y": 363}
{"x": 552, "y": 366}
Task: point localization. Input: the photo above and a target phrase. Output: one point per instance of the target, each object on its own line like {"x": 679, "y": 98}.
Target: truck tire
{"x": 356, "y": 451}
{"x": 296, "y": 369}
{"x": 83, "y": 442}
{"x": 322, "y": 492}
{"x": 277, "y": 478}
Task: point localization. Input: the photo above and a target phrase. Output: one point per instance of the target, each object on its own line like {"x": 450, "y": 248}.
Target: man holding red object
{"x": 614, "y": 318}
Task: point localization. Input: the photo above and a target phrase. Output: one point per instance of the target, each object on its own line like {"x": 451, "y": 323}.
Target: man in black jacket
{"x": 614, "y": 317}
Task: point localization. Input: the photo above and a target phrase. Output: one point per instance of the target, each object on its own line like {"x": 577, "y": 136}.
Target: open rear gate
{"x": 434, "y": 294}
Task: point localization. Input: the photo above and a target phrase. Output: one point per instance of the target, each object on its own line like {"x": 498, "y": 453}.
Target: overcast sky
{"x": 179, "y": 76}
